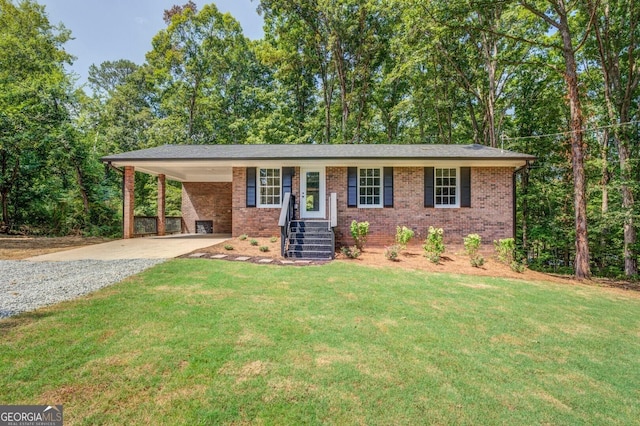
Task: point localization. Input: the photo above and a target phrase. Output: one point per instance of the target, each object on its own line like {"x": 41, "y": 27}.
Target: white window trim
{"x": 372, "y": 206}
{"x": 259, "y": 189}
{"x": 446, "y": 206}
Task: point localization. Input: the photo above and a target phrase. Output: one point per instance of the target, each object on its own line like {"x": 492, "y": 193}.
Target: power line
{"x": 591, "y": 129}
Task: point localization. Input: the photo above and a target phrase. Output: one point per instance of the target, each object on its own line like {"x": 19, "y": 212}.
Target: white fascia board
{"x": 222, "y": 170}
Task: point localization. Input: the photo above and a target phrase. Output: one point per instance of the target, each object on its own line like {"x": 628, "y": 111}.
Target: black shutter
{"x": 287, "y": 180}
{"x": 388, "y": 186}
{"x": 428, "y": 187}
{"x": 465, "y": 186}
{"x": 352, "y": 187}
{"x": 251, "y": 187}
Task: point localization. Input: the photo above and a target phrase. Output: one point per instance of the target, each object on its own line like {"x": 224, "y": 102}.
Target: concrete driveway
{"x": 137, "y": 248}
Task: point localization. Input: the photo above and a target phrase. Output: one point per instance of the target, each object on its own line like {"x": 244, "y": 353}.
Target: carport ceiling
{"x": 187, "y": 172}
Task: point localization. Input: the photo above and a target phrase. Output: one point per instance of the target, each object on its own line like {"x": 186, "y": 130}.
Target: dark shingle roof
{"x": 315, "y": 152}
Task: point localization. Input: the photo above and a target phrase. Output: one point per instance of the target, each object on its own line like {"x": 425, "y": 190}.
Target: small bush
{"x": 403, "y": 236}
{"x": 274, "y": 239}
{"x": 228, "y": 247}
{"x": 434, "y": 245}
{"x": 506, "y": 250}
{"x": 351, "y": 252}
{"x": 472, "y": 243}
{"x": 477, "y": 261}
{"x": 264, "y": 249}
{"x": 518, "y": 267}
{"x": 253, "y": 242}
{"x": 243, "y": 237}
{"x": 359, "y": 232}
{"x": 391, "y": 253}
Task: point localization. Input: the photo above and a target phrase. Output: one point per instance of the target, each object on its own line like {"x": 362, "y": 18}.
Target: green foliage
{"x": 472, "y": 244}
{"x": 264, "y": 249}
{"x": 392, "y": 252}
{"x": 350, "y": 252}
{"x": 517, "y": 266}
{"x": 273, "y": 239}
{"x": 359, "y": 232}
{"x": 243, "y": 237}
{"x": 228, "y": 247}
{"x": 403, "y": 236}
{"x": 434, "y": 244}
{"x": 253, "y": 242}
{"x": 505, "y": 249}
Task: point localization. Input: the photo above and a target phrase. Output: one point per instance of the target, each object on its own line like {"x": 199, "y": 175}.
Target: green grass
{"x": 214, "y": 342}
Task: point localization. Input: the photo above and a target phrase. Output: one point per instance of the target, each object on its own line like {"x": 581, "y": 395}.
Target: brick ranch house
{"x": 242, "y": 189}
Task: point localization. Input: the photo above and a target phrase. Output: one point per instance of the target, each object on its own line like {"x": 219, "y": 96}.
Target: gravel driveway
{"x": 25, "y": 285}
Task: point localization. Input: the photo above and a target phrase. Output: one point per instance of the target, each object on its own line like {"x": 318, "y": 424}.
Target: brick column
{"x": 161, "y": 204}
{"x": 128, "y": 201}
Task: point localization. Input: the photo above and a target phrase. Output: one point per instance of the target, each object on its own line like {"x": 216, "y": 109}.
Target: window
{"x": 269, "y": 187}
{"x": 369, "y": 188}
{"x": 446, "y": 187}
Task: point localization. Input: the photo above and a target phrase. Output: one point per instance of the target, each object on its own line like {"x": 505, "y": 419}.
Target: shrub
{"x": 506, "y": 250}
{"x": 391, "y": 253}
{"x": 264, "y": 249}
{"x": 518, "y": 267}
{"x": 228, "y": 247}
{"x": 243, "y": 237}
{"x": 472, "y": 244}
{"x": 274, "y": 239}
{"x": 434, "y": 245}
{"x": 359, "y": 232}
{"x": 253, "y": 242}
{"x": 477, "y": 261}
{"x": 351, "y": 252}
{"x": 403, "y": 236}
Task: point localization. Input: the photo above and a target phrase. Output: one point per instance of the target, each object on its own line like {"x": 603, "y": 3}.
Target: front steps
{"x": 310, "y": 239}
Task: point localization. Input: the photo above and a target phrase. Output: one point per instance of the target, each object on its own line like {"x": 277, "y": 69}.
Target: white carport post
{"x": 162, "y": 187}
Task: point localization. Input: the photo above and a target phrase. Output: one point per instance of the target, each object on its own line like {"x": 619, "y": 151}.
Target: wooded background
{"x": 555, "y": 78}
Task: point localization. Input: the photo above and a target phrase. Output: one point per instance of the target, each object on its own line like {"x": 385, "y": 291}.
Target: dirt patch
{"x": 22, "y": 247}
{"x": 454, "y": 261}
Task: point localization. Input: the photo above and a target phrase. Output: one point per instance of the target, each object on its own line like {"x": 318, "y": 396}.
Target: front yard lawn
{"x": 215, "y": 342}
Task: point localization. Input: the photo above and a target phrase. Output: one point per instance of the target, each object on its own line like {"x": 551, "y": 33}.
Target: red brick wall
{"x": 129, "y": 202}
{"x": 255, "y": 221}
{"x": 490, "y": 214}
{"x": 207, "y": 201}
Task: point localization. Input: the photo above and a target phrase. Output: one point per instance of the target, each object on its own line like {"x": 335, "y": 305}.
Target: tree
{"x": 616, "y": 43}
{"x": 557, "y": 17}
{"x": 203, "y": 70}
{"x": 33, "y": 92}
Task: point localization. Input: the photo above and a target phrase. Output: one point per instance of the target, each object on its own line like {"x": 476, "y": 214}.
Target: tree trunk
{"x": 582, "y": 268}
{"x": 630, "y": 261}
{"x": 604, "y": 208}
{"x": 5, "y": 207}
{"x": 490, "y": 50}
{"x": 616, "y": 94}
{"x": 83, "y": 191}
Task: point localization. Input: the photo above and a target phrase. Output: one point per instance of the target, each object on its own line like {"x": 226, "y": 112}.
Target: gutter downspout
{"x": 515, "y": 196}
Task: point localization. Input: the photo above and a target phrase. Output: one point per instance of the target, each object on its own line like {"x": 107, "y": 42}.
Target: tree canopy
{"x": 555, "y": 79}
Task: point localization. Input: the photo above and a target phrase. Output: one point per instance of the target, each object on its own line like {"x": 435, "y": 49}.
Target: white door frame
{"x": 304, "y": 214}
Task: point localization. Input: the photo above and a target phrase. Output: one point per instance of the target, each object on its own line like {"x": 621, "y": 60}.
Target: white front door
{"x": 312, "y": 194}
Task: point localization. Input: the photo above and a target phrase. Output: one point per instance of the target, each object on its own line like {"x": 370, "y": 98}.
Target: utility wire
{"x": 591, "y": 129}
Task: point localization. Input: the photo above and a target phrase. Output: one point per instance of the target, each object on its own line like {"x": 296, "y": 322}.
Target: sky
{"x": 108, "y": 30}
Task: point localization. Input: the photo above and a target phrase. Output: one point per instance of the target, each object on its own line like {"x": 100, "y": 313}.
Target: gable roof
{"x": 316, "y": 152}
